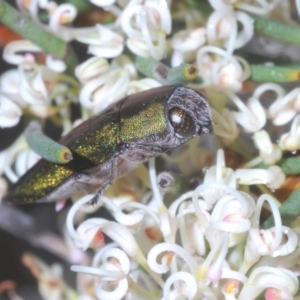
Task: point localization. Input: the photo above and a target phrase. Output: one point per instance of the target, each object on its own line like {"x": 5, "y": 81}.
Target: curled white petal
{"x": 189, "y": 40}
{"x": 291, "y": 241}
{"x": 169, "y": 248}
{"x": 101, "y": 91}
{"x": 102, "y": 42}
{"x": 262, "y": 278}
{"x": 221, "y": 69}
{"x": 269, "y": 152}
{"x": 186, "y": 285}
{"x": 36, "y": 83}
{"x": 290, "y": 141}
{"x": 283, "y": 109}
{"x": 115, "y": 231}
{"x": 91, "y": 68}
{"x": 136, "y": 216}
{"x": 223, "y": 25}
{"x": 116, "y": 254}
{"x": 119, "y": 286}
{"x": 138, "y": 47}
{"x": 10, "y": 53}
{"x": 56, "y": 65}
{"x": 231, "y": 214}
{"x": 256, "y": 246}
{"x": 251, "y": 117}
{"x": 64, "y": 13}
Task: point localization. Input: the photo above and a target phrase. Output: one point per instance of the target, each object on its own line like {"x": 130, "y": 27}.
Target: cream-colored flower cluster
{"x": 208, "y": 243}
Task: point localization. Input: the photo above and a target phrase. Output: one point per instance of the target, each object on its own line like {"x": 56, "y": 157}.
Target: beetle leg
{"x": 99, "y": 192}
{"x": 113, "y": 174}
{"x": 148, "y": 148}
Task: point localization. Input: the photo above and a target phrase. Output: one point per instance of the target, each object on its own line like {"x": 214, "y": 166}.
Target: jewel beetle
{"x": 115, "y": 141}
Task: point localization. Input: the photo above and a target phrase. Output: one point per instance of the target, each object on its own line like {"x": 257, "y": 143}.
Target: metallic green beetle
{"x": 114, "y": 142}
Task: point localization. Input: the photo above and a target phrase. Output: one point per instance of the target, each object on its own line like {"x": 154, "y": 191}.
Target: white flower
{"x": 102, "y": 42}
{"x": 231, "y": 214}
{"x": 285, "y": 107}
{"x": 290, "y": 141}
{"x": 185, "y": 44}
{"x": 269, "y": 153}
{"x": 37, "y": 83}
{"x": 91, "y": 68}
{"x": 251, "y": 117}
{"x": 12, "y": 55}
{"x": 223, "y": 25}
{"x": 11, "y": 52}
{"x": 101, "y": 91}
{"x": 146, "y": 26}
{"x": 220, "y": 69}
{"x": 111, "y": 265}
{"x": 269, "y": 242}
{"x": 62, "y": 14}
{"x": 262, "y": 278}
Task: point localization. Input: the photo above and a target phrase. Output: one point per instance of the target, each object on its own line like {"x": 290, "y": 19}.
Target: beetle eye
{"x": 182, "y": 122}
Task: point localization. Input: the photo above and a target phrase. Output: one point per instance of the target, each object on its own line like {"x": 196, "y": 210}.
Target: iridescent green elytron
{"x": 112, "y": 143}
